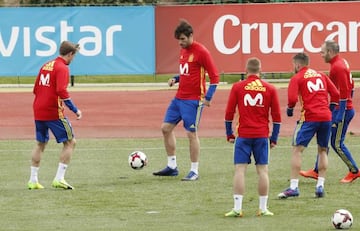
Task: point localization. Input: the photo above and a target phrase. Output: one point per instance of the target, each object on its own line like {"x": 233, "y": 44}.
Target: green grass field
{"x": 109, "y": 195}
{"x": 156, "y": 78}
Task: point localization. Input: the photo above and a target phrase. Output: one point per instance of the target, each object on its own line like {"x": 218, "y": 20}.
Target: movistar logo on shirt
{"x": 317, "y": 86}
{"x": 256, "y": 101}
{"x": 255, "y": 85}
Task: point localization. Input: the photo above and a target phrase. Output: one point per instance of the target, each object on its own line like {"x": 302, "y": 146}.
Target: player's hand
{"x": 171, "y": 82}
{"x": 272, "y": 144}
{"x": 206, "y": 103}
{"x": 230, "y": 138}
{"x": 78, "y": 114}
{"x": 332, "y": 107}
{"x": 290, "y": 112}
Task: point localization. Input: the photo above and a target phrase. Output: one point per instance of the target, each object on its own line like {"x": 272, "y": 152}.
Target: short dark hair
{"x": 332, "y": 46}
{"x": 302, "y": 58}
{"x": 183, "y": 28}
{"x": 253, "y": 65}
{"x": 67, "y": 47}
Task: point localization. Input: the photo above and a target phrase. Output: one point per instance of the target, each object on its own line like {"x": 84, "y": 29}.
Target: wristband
{"x": 210, "y": 92}
{"x": 176, "y": 78}
{"x": 275, "y": 133}
{"x": 332, "y": 106}
{"x": 290, "y": 111}
{"x": 228, "y": 127}
{"x": 70, "y": 105}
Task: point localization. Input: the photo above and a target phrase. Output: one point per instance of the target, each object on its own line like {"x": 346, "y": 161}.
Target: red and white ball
{"x": 342, "y": 219}
{"x": 137, "y": 160}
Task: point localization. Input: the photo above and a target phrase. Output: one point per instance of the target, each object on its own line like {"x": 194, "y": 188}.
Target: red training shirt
{"x": 312, "y": 88}
{"x": 50, "y": 90}
{"x": 255, "y": 99}
{"x": 341, "y": 76}
{"x": 195, "y": 61}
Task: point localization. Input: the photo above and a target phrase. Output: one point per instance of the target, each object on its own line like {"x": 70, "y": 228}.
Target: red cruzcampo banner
{"x": 271, "y": 32}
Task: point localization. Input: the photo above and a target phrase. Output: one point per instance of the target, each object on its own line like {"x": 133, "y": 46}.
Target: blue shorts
{"x": 189, "y": 111}
{"x": 305, "y": 131}
{"x": 61, "y": 129}
{"x": 258, "y": 147}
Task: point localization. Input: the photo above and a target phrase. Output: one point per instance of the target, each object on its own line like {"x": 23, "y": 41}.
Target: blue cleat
{"x": 289, "y": 193}
{"x": 319, "y": 192}
{"x": 167, "y": 172}
{"x": 191, "y": 176}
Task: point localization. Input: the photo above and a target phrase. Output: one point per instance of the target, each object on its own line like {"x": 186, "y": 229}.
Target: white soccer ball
{"x": 137, "y": 160}
{"x": 342, "y": 219}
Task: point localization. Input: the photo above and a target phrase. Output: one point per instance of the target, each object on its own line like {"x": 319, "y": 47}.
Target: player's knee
{"x": 70, "y": 143}
{"x": 166, "y": 128}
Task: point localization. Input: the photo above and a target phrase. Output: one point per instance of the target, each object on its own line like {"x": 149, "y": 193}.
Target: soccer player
{"x": 312, "y": 89}
{"x": 340, "y": 75}
{"x": 51, "y": 95}
{"x": 254, "y": 99}
{"x": 189, "y": 100}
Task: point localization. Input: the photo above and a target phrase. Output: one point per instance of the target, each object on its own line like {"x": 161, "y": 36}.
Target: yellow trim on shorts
{"x": 67, "y": 127}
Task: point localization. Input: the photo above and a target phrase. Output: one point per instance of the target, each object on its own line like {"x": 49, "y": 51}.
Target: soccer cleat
{"x": 191, "y": 176}
{"x": 319, "y": 192}
{"x": 36, "y": 185}
{"x": 264, "y": 213}
{"x": 167, "y": 172}
{"x": 309, "y": 174}
{"x": 233, "y": 213}
{"x": 61, "y": 184}
{"x": 350, "y": 177}
{"x": 289, "y": 193}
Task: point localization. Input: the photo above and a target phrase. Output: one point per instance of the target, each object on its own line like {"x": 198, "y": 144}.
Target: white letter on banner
{"x": 6, "y": 52}
{"x": 264, "y": 38}
{"x": 307, "y": 38}
{"x": 218, "y": 34}
{"x": 340, "y": 33}
{"x": 64, "y": 30}
{"x": 96, "y": 40}
{"x": 27, "y": 42}
{"x": 39, "y": 37}
{"x": 110, "y": 39}
{"x": 290, "y": 40}
{"x": 353, "y": 36}
{"x": 246, "y": 36}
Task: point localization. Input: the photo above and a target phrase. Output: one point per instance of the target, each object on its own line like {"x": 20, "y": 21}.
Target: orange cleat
{"x": 309, "y": 174}
{"x": 350, "y": 177}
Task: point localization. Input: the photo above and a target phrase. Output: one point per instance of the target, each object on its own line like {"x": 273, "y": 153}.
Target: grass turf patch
{"x": 109, "y": 195}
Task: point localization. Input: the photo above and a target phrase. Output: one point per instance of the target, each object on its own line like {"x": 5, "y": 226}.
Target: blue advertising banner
{"x": 113, "y": 40}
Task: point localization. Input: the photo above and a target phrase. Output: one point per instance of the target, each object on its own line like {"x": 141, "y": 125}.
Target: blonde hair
{"x": 253, "y": 66}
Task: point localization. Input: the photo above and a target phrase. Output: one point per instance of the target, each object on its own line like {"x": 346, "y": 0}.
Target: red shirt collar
{"x": 62, "y": 60}
{"x": 336, "y": 57}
